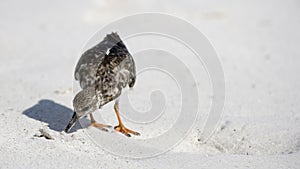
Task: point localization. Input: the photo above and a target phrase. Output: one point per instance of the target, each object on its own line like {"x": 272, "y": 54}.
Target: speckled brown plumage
{"x": 103, "y": 71}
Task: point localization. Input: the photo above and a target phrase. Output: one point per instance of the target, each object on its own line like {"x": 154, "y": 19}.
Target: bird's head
{"x": 85, "y": 102}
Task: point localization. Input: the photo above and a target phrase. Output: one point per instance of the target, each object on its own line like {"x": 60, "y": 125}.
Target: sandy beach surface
{"x": 258, "y": 46}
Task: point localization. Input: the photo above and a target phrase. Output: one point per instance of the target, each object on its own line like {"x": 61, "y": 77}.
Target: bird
{"x": 103, "y": 71}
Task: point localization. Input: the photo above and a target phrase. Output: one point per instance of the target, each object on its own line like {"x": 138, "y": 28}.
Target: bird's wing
{"x": 116, "y": 71}
{"x": 108, "y": 84}
{"x": 90, "y": 60}
{"x": 132, "y": 76}
{"x": 87, "y": 59}
{"x": 86, "y": 67}
{"x": 116, "y": 55}
{"x": 119, "y": 53}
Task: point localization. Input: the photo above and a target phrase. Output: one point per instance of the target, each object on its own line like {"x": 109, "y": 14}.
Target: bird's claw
{"x": 100, "y": 126}
{"x": 122, "y": 129}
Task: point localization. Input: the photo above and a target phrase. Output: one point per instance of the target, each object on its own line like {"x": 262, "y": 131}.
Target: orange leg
{"x": 121, "y": 128}
{"x": 98, "y": 125}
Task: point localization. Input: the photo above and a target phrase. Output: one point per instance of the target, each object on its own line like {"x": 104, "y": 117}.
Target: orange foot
{"x": 125, "y": 131}
{"x": 100, "y": 126}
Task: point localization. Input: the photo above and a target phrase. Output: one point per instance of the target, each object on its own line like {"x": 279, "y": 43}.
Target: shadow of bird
{"x": 54, "y": 114}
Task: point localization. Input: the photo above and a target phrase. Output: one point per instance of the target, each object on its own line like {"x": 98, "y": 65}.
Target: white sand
{"x": 258, "y": 44}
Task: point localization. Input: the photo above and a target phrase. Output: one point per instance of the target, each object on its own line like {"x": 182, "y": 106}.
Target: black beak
{"x": 72, "y": 122}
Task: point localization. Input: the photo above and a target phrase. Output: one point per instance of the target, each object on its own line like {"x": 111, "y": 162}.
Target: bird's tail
{"x": 72, "y": 122}
{"x": 113, "y": 37}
